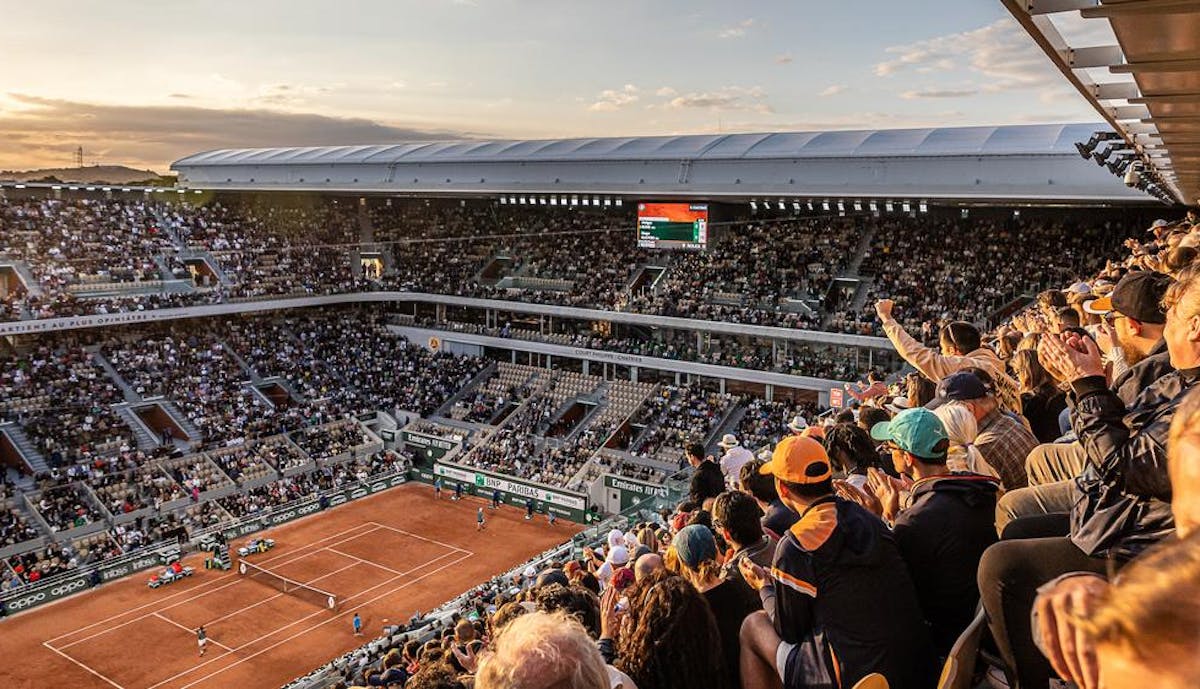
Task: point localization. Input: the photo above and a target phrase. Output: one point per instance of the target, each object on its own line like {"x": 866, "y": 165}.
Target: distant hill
{"x": 96, "y": 174}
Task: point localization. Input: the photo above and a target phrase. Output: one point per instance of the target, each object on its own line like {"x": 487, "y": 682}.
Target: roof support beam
{"x": 1156, "y": 66}
{"x": 1097, "y": 56}
{"x": 1054, "y": 6}
{"x": 1125, "y": 9}
{"x": 1119, "y": 90}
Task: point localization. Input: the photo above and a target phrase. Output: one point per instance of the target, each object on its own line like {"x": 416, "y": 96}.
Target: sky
{"x": 143, "y": 84}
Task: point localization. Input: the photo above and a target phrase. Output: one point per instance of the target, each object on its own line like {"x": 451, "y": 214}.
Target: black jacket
{"x": 1139, "y": 377}
{"x": 838, "y": 570}
{"x": 1123, "y": 496}
{"x": 942, "y": 536}
{"x": 707, "y": 482}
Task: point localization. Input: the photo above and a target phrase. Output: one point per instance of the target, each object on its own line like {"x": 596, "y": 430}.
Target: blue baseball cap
{"x": 916, "y": 431}
{"x": 695, "y": 544}
{"x": 959, "y": 387}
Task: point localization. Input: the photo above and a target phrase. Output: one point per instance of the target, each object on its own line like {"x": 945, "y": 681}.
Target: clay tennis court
{"x": 385, "y": 557}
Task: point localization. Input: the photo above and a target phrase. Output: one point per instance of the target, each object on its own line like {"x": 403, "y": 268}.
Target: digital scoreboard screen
{"x": 673, "y": 225}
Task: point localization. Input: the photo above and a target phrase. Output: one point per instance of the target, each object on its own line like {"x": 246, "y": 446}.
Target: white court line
{"x": 309, "y": 616}
{"x": 212, "y": 641}
{"x": 236, "y": 580}
{"x": 85, "y": 667}
{"x": 319, "y": 624}
{"x": 193, "y": 589}
{"x": 428, "y": 540}
{"x": 365, "y": 562}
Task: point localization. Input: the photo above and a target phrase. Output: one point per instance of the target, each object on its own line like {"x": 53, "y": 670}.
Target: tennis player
{"x": 202, "y": 640}
{"x": 357, "y": 625}
{"x": 479, "y": 521}
{"x": 437, "y": 488}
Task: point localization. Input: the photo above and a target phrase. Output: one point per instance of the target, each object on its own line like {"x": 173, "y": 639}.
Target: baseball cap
{"x": 798, "y": 424}
{"x": 916, "y": 431}
{"x": 1138, "y": 295}
{"x": 1079, "y": 288}
{"x": 729, "y": 440}
{"x": 619, "y": 556}
{"x": 798, "y": 459}
{"x": 1157, "y": 224}
{"x": 959, "y": 387}
{"x": 695, "y": 544}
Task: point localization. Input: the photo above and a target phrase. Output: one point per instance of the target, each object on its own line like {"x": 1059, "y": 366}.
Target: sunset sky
{"x": 143, "y": 84}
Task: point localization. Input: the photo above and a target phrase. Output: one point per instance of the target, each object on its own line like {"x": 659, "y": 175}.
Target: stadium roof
{"x": 1012, "y": 163}
{"x": 1145, "y": 83}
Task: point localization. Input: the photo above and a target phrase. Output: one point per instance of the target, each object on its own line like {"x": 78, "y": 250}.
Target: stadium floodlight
{"x": 841, "y": 206}
{"x": 553, "y": 200}
{"x": 197, "y": 191}
{"x": 782, "y": 205}
{"x": 574, "y": 200}
{"x": 888, "y": 206}
{"x": 522, "y": 200}
{"x": 586, "y": 201}
{"x": 596, "y": 201}
{"x": 906, "y": 206}
{"x": 857, "y": 205}
{"x": 873, "y": 206}
{"x": 618, "y": 203}
{"x": 1085, "y": 149}
{"x": 503, "y": 201}
{"x": 810, "y": 205}
{"x": 607, "y": 202}
{"x": 825, "y": 205}
{"x": 542, "y": 200}
{"x": 923, "y": 207}
{"x": 753, "y": 205}
{"x": 795, "y": 205}
{"x": 18, "y": 186}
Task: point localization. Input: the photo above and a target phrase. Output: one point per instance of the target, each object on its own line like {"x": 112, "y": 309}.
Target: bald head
{"x": 646, "y": 564}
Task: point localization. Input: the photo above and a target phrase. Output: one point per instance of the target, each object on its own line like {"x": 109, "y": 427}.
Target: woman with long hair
{"x": 669, "y": 637}
{"x": 730, "y": 600}
{"x": 961, "y": 429}
{"x": 1041, "y": 400}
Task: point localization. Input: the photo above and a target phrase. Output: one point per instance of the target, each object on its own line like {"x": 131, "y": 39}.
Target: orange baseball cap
{"x": 798, "y": 459}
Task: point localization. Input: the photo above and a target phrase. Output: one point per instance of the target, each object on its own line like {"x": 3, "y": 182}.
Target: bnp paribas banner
{"x": 632, "y": 492}
{"x": 563, "y": 503}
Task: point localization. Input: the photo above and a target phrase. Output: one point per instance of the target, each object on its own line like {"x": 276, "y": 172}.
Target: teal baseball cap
{"x": 916, "y": 431}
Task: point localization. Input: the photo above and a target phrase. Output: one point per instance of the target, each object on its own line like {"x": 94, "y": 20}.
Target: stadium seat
{"x": 959, "y": 669}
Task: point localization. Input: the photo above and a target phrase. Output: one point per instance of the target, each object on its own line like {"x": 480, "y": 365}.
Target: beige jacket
{"x": 935, "y": 366}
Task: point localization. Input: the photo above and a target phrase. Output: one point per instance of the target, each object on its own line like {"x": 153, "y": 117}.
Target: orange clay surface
{"x": 385, "y": 556}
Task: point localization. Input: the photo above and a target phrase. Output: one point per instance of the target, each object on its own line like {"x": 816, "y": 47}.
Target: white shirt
{"x": 732, "y": 462}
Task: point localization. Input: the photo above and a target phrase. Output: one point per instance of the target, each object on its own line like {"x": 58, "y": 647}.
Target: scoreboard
{"x": 673, "y": 225}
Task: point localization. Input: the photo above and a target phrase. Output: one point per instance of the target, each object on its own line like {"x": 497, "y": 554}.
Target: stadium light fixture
{"x": 1086, "y": 149}
{"x": 585, "y": 201}
{"x": 795, "y": 205}
{"x": 841, "y": 205}
{"x": 753, "y": 205}
{"x": 522, "y": 200}
{"x": 596, "y": 201}
{"x": 810, "y": 205}
{"x": 574, "y": 200}
{"x": 888, "y": 206}
{"x": 553, "y": 200}
{"x": 782, "y": 205}
{"x": 542, "y": 200}
{"x": 618, "y": 203}
{"x": 905, "y": 206}
{"x": 607, "y": 202}
{"x": 857, "y": 206}
{"x": 923, "y": 207}
{"x": 825, "y": 205}
{"x": 197, "y": 191}
{"x": 873, "y": 205}
{"x": 503, "y": 201}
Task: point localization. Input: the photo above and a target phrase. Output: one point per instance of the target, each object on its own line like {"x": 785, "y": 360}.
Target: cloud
{"x": 784, "y": 59}
{"x": 615, "y": 99}
{"x": 665, "y": 92}
{"x": 938, "y": 93}
{"x": 43, "y": 132}
{"x": 1000, "y": 56}
{"x": 753, "y": 99}
{"x": 738, "y": 30}
{"x": 832, "y": 90}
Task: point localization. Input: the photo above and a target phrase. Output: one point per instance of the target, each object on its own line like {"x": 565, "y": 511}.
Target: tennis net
{"x": 291, "y": 587}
